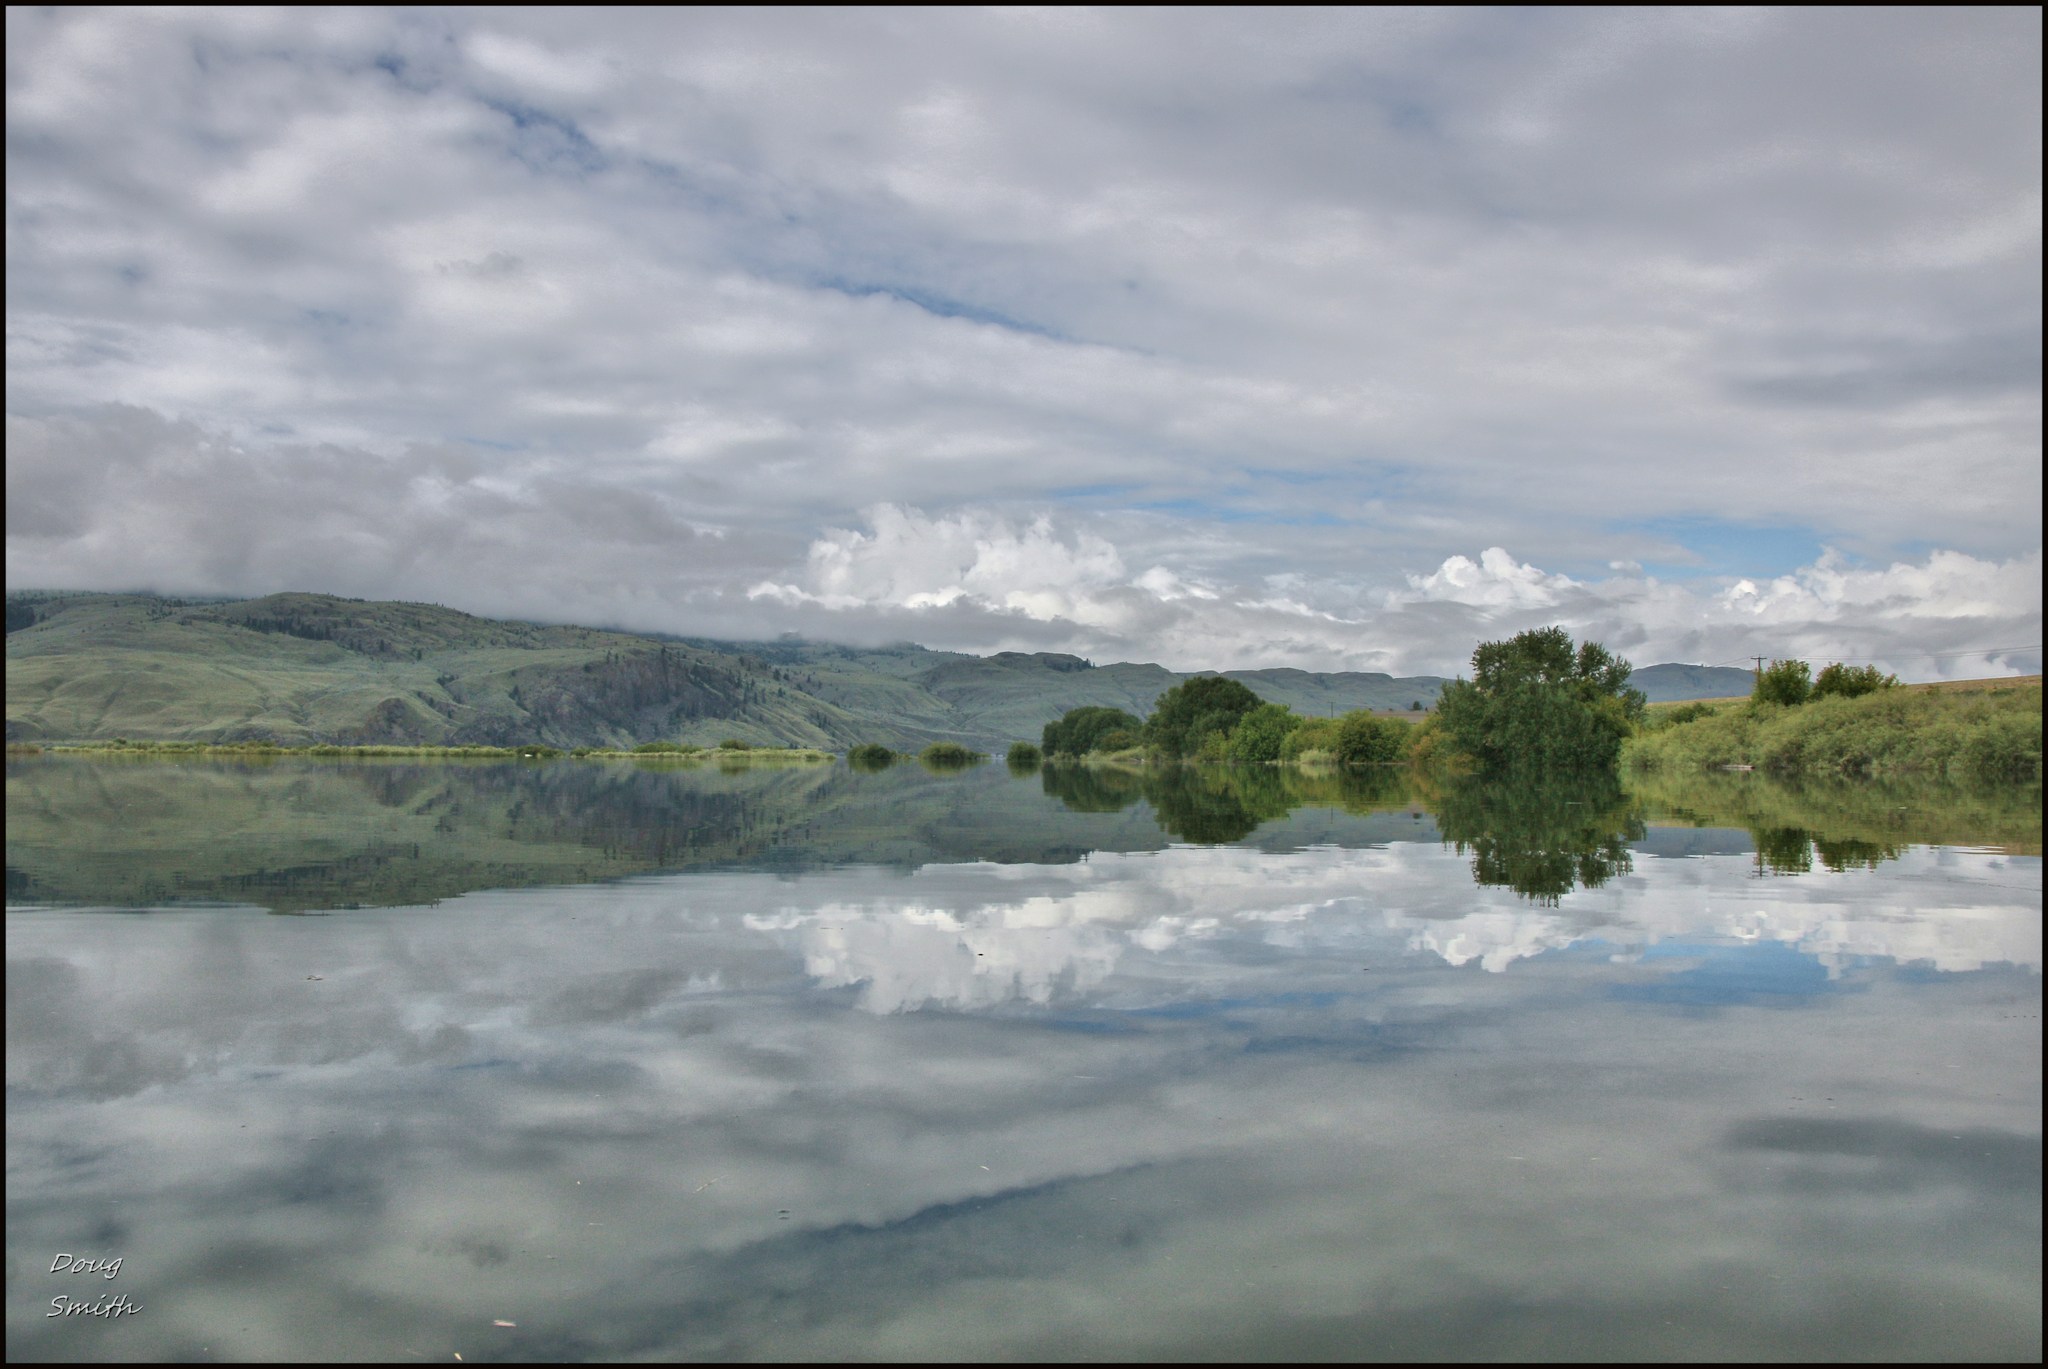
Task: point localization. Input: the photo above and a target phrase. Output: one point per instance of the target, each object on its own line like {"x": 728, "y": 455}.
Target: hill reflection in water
{"x": 295, "y": 836}
{"x": 976, "y": 1067}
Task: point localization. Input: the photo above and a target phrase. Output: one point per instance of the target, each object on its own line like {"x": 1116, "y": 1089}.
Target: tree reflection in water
{"x": 1211, "y": 805}
{"x": 1541, "y": 838}
{"x": 1790, "y": 851}
{"x": 1092, "y": 788}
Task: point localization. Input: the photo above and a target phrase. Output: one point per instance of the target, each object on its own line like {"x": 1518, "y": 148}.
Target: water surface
{"x": 812, "y": 1064}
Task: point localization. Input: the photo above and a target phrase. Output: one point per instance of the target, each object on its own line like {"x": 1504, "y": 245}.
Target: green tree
{"x": 1783, "y": 682}
{"x": 1081, "y": 730}
{"x": 1851, "y": 682}
{"x": 1261, "y": 734}
{"x": 1190, "y": 711}
{"x": 1363, "y": 739}
{"x": 1536, "y": 704}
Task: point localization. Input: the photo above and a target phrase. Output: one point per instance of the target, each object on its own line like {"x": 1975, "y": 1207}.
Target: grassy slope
{"x": 1975, "y": 731}
{"x": 302, "y": 668}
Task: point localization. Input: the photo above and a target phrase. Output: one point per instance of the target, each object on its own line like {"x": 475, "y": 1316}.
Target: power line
{"x": 1903, "y": 655}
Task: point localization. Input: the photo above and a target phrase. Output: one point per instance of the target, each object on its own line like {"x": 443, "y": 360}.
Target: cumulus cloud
{"x": 1495, "y": 581}
{"x": 910, "y": 560}
{"x": 1949, "y": 616}
{"x": 1202, "y": 336}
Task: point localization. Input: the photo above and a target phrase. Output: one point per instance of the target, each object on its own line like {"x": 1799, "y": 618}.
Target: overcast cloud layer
{"x": 1332, "y": 338}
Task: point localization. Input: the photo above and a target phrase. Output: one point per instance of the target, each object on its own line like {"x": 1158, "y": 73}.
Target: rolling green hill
{"x": 306, "y": 668}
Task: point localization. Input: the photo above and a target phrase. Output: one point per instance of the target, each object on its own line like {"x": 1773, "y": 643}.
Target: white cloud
{"x": 1128, "y": 312}
{"x": 1949, "y": 585}
{"x": 1931, "y": 619}
{"x": 911, "y": 561}
{"x": 1495, "y": 581}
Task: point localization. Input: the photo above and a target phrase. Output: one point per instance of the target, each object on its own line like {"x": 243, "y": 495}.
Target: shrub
{"x": 1363, "y": 739}
{"x": 870, "y": 756}
{"x": 1851, "y": 682}
{"x": 1081, "y": 730}
{"x": 948, "y": 754}
{"x": 1261, "y": 734}
{"x": 1315, "y": 737}
{"x": 1023, "y": 756}
{"x": 2005, "y": 747}
{"x": 735, "y": 744}
{"x": 1783, "y": 682}
{"x": 662, "y": 749}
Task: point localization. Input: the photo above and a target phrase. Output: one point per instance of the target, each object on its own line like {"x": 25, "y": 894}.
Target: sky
{"x": 1329, "y": 338}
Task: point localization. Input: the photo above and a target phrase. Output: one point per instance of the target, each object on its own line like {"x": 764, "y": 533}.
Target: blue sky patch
{"x": 943, "y": 306}
{"x": 1756, "y": 551}
{"x": 1765, "y": 973}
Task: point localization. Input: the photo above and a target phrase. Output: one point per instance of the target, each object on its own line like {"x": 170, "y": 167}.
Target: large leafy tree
{"x": 1537, "y": 704}
{"x": 1189, "y": 712}
{"x": 1783, "y": 682}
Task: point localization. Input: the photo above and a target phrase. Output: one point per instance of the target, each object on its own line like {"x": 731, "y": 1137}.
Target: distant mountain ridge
{"x": 305, "y": 668}
{"x": 1676, "y": 683}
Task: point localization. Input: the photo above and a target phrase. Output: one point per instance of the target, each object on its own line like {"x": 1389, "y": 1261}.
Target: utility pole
{"x": 1759, "y": 668}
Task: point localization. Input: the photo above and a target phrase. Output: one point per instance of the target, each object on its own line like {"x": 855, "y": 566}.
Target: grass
{"x": 1989, "y": 733}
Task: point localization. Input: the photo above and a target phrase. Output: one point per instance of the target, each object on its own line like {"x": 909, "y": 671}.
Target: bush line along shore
{"x": 1537, "y": 705}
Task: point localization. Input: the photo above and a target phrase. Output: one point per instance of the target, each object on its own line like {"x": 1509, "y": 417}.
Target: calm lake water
{"x": 574, "y": 1061}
